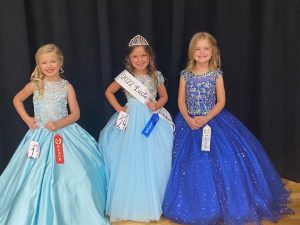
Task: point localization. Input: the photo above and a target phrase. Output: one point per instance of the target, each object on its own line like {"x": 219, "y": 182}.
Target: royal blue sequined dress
{"x": 137, "y": 167}
{"x": 41, "y": 192}
{"x": 232, "y": 184}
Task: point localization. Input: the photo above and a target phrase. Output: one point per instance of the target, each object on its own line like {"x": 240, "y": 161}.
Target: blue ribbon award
{"x": 150, "y": 125}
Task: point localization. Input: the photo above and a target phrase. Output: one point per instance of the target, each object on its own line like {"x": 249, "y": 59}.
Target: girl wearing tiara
{"x": 220, "y": 172}
{"x": 56, "y": 176}
{"x": 138, "y": 157}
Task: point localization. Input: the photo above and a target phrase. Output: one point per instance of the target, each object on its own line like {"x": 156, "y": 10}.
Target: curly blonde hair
{"x": 214, "y": 62}
{"x": 37, "y": 77}
{"x": 151, "y": 68}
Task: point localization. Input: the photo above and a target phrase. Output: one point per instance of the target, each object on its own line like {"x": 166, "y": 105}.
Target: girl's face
{"x": 202, "y": 52}
{"x": 139, "y": 59}
{"x": 49, "y": 65}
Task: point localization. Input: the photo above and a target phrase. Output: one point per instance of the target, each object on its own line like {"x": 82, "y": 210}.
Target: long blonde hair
{"x": 214, "y": 62}
{"x": 37, "y": 77}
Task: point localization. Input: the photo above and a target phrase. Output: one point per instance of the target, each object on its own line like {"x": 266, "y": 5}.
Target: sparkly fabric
{"x": 149, "y": 82}
{"x": 200, "y": 91}
{"x": 234, "y": 183}
{"x": 42, "y": 192}
{"x": 52, "y": 105}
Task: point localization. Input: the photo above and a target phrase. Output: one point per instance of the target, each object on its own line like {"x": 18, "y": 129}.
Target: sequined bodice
{"x": 52, "y": 105}
{"x": 149, "y": 82}
{"x": 200, "y": 91}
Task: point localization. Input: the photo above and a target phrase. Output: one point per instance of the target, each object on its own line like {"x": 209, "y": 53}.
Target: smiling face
{"x": 202, "y": 52}
{"x": 49, "y": 65}
{"x": 139, "y": 60}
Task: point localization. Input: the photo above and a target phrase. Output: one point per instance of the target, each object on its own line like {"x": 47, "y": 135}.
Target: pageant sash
{"x": 141, "y": 93}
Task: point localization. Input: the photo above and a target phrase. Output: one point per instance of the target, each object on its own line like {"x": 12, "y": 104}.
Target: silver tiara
{"x": 138, "y": 40}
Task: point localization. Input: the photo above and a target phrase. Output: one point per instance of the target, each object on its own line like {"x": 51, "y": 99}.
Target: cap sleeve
{"x": 219, "y": 73}
{"x": 160, "y": 78}
{"x": 184, "y": 74}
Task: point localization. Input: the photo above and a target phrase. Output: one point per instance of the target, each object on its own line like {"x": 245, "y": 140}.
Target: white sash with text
{"x": 140, "y": 92}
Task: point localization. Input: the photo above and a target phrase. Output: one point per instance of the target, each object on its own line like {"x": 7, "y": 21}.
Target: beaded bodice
{"x": 200, "y": 91}
{"x": 52, "y": 105}
{"x": 149, "y": 82}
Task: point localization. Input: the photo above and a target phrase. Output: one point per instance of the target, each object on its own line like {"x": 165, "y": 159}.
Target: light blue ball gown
{"x": 137, "y": 167}
{"x": 235, "y": 182}
{"x": 41, "y": 192}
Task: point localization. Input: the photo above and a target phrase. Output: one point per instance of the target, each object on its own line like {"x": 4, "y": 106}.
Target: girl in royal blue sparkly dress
{"x": 220, "y": 172}
{"x": 137, "y": 166}
{"x": 56, "y": 176}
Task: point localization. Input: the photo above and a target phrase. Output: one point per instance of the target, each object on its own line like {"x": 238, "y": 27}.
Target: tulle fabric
{"x": 137, "y": 167}
{"x": 232, "y": 184}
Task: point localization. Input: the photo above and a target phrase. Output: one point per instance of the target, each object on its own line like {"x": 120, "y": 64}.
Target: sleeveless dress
{"x": 40, "y": 191}
{"x": 137, "y": 167}
{"x": 234, "y": 182}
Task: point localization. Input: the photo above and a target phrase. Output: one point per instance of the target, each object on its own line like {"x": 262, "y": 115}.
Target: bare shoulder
{"x": 25, "y": 92}
{"x": 28, "y": 88}
{"x": 70, "y": 87}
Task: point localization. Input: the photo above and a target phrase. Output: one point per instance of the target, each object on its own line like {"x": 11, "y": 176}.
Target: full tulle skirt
{"x": 234, "y": 183}
{"x": 137, "y": 166}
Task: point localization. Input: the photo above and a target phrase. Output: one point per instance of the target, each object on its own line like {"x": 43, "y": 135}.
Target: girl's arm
{"x": 110, "y": 95}
{"x": 18, "y": 100}
{"x": 72, "y": 117}
{"x": 163, "y": 98}
{"x": 220, "y": 93}
{"x": 182, "y": 106}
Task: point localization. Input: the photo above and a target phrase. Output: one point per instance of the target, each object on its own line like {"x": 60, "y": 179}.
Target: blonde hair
{"x": 215, "y": 61}
{"x": 151, "y": 68}
{"x": 37, "y": 77}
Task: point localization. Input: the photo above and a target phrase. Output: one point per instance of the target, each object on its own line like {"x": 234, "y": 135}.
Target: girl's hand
{"x": 201, "y": 120}
{"x": 52, "y": 126}
{"x": 123, "y": 109}
{"x": 152, "y": 106}
{"x": 192, "y": 122}
{"x": 31, "y": 123}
